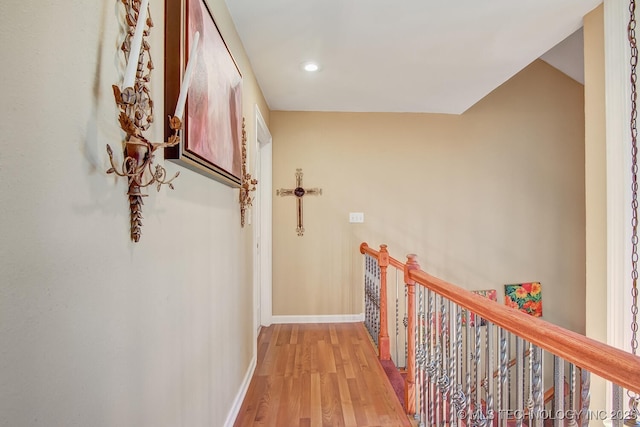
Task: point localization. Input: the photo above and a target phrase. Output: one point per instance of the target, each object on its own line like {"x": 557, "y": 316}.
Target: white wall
{"x": 96, "y": 330}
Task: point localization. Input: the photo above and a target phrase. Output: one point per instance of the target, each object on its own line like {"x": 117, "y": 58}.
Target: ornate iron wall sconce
{"x": 248, "y": 184}
{"x": 136, "y": 116}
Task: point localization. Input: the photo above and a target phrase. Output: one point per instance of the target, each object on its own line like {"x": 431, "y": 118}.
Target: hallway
{"x": 319, "y": 375}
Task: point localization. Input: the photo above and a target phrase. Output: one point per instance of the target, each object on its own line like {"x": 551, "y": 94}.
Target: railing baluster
{"x": 511, "y": 374}
{"x": 558, "y": 389}
{"x": 446, "y": 360}
{"x": 429, "y": 336}
{"x": 477, "y": 413}
{"x": 432, "y": 359}
{"x": 376, "y": 307}
{"x": 573, "y": 402}
{"x": 453, "y": 357}
{"x": 405, "y": 322}
{"x": 529, "y": 380}
{"x": 460, "y": 398}
{"x": 585, "y": 396}
{"x": 468, "y": 367}
{"x": 519, "y": 406}
{"x": 537, "y": 386}
{"x": 437, "y": 371}
{"x": 422, "y": 356}
{"x": 616, "y": 405}
{"x": 443, "y": 379}
{"x": 503, "y": 395}
{"x": 397, "y": 359}
{"x": 489, "y": 372}
{"x": 370, "y": 297}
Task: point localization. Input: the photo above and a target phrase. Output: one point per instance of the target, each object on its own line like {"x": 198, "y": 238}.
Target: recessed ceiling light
{"x": 310, "y": 66}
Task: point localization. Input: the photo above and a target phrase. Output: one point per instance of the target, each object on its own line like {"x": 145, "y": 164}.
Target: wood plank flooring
{"x": 311, "y": 375}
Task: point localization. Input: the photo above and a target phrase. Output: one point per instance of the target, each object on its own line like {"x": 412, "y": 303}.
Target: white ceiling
{"x": 401, "y": 56}
{"x": 568, "y": 56}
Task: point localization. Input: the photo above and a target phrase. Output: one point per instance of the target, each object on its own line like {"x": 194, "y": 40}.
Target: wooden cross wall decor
{"x": 299, "y": 192}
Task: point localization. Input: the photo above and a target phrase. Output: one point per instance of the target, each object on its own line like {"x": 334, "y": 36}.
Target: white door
{"x": 257, "y": 264}
{"x": 262, "y": 225}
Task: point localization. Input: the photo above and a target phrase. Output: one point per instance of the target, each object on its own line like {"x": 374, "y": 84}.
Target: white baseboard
{"x": 237, "y": 403}
{"x": 330, "y": 318}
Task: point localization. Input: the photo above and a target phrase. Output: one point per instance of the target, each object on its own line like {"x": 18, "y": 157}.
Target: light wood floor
{"x": 319, "y": 375}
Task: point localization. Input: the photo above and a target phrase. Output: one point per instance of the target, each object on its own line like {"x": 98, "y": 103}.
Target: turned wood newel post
{"x": 410, "y": 384}
{"x": 383, "y": 336}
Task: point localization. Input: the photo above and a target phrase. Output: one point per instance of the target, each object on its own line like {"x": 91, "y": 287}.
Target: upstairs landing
{"x": 319, "y": 375}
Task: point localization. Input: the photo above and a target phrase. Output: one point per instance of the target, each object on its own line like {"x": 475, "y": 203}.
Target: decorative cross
{"x": 299, "y": 192}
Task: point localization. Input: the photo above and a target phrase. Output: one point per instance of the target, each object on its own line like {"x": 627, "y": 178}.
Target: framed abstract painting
{"x": 526, "y": 297}
{"x": 211, "y": 135}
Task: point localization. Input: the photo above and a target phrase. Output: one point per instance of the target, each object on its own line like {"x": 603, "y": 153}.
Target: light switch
{"x": 356, "y": 217}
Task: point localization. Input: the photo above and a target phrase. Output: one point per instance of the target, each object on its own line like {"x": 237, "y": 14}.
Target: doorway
{"x": 262, "y": 256}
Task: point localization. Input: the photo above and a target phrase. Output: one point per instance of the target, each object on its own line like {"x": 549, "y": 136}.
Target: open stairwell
{"x": 468, "y": 360}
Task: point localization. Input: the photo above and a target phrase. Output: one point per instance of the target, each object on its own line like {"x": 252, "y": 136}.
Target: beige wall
{"x": 595, "y": 175}
{"x": 595, "y": 185}
{"x": 97, "y": 330}
{"x": 493, "y": 196}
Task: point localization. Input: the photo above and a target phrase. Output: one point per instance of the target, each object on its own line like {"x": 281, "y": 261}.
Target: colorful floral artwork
{"x": 491, "y": 294}
{"x": 526, "y": 297}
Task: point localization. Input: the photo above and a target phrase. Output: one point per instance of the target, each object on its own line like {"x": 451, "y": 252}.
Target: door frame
{"x": 262, "y": 247}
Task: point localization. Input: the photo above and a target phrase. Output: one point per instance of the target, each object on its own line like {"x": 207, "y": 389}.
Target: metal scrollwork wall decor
{"x": 248, "y": 184}
{"x": 136, "y": 115}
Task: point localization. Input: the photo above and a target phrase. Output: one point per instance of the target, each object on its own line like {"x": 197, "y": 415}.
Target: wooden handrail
{"x": 600, "y": 359}
{"x": 395, "y": 263}
{"x": 366, "y": 249}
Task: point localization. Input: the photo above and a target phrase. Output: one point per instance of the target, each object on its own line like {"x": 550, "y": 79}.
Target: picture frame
{"x": 526, "y": 297}
{"x": 211, "y": 134}
{"x": 490, "y": 294}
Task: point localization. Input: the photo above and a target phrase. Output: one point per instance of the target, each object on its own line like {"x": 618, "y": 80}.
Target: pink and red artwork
{"x": 212, "y": 127}
{"x": 490, "y": 294}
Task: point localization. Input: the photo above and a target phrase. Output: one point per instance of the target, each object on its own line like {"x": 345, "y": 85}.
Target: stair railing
{"x": 385, "y": 302}
{"x": 474, "y": 362}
